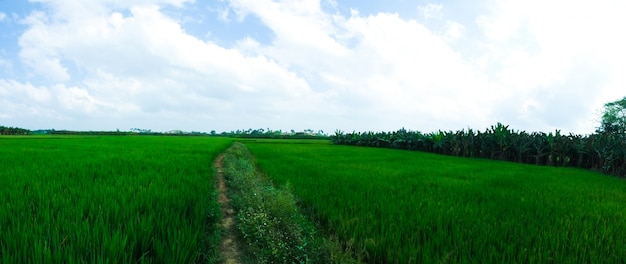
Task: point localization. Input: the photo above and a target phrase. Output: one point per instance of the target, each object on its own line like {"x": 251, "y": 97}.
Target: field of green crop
{"x": 397, "y": 206}
{"x": 81, "y": 199}
{"x": 123, "y": 199}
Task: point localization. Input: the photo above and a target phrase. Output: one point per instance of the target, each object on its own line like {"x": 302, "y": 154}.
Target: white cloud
{"x": 223, "y": 13}
{"x": 431, "y": 11}
{"x": 454, "y": 30}
{"x": 5, "y": 64}
{"x": 54, "y": 102}
{"x": 143, "y": 63}
{"x": 535, "y": 65}
{"x": 297, "y": 24}
{"x": 546, "y": 50}
{"x": 374, "y": 67}
{"x": 3, "y": 16}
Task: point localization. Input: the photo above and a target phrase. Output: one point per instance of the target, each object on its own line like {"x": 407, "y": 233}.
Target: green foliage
{"x": 393, "y": 206}
{"x": 78, "y": 199}
{"x": 13, "y": 131}
{"x": 268, "y": 219}
{"x": 602, "y": 151}
{"x": 614, "y": 117}
{"x": 276, "y": 134}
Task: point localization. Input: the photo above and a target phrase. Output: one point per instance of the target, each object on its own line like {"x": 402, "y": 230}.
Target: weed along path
{"x": 229, "y": 246}
{"x": 262, "y": 219}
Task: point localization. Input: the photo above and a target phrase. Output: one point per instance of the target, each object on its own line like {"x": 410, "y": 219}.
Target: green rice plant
{"x": 78, "y": 199}
{"x": 395, "y": 206}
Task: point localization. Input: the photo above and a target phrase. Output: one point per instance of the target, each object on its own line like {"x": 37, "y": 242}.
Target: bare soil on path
{"x": 229, "y": 246}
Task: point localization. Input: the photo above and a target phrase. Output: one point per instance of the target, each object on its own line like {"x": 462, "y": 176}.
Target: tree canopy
{"x": 13, "y": 131}
{"x": 614, "y": 117}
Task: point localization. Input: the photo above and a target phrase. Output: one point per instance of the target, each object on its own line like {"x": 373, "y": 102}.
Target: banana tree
{"x": 540, "y": 147}
{"x": 521, "y": 145}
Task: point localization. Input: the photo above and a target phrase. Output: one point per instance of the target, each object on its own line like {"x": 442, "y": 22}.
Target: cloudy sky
{"x": 311, "y": 64}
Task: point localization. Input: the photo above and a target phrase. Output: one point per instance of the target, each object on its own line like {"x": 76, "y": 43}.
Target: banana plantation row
{"x": 602, "y": 151}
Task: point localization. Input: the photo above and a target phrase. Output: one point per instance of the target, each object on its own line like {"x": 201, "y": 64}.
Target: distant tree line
{"x": 246, "y": 133}
{"x": 276, "y": 134}
{"x": 87, "y": 133}
{"x": 13, "y": 131}
{"x": 124, "y": 133}
{"x": 605, "y": 150}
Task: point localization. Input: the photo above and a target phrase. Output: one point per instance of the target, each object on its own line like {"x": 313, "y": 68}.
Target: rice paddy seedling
{"x": 128, "y": 199}
{"x": 395, "y": 206}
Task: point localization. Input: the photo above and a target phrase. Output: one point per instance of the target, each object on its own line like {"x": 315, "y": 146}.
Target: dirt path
{"x": 230, "y": 248}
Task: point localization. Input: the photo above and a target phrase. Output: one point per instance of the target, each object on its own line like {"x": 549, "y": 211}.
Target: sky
{"x": 326, "y": 65}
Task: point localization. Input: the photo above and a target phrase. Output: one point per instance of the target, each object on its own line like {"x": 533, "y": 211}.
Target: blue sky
{"x": 310, "y": 64}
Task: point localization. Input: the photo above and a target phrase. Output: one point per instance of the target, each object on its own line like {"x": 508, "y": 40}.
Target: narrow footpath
{"x": 229, "y": 247}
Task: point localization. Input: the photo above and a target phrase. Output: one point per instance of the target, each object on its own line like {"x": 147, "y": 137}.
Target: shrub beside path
{"x": 261, "y": 222}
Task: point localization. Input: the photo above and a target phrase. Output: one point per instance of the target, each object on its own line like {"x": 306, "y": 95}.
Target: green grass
{"x": 398, "y": 206}
{"x": 78, "y": 199}
{"x": 270, "y": 225}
